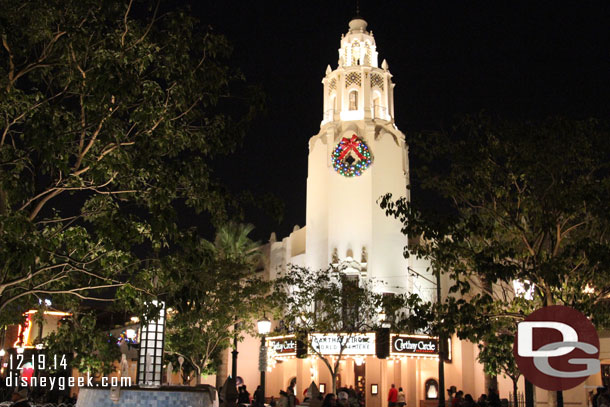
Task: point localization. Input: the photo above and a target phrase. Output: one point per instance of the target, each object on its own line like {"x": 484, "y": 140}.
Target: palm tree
{"x": 233, "y": 244}
{"x": 230, "y": 244}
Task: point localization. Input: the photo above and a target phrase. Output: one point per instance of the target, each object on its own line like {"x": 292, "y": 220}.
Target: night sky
{"x": 516, "y": 59}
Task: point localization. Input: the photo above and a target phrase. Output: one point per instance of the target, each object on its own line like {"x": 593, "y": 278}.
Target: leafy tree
{"x": 329, "y": 301}
{"x": 492, "y": 322}
{"x": 518, "y": 201}
{"x": 84, "y": 345}
{"x": 212, "y": 287}
{"x": 496, "y": 354}
{"x": 109, "y": 115}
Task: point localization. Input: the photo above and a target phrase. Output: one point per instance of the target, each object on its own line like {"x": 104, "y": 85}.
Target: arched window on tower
{"x": 356, "y": 54}
{"x": 353, "y": 100}
{"x": 350, "y": 288}
{"x": 367, "y": 54}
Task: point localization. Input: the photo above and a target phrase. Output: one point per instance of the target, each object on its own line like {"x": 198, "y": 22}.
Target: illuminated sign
{"x": 413, "y": 345}
{"x": 283, "y": 345}
{"x": 23, "y": 336}
{"x": 352, "y": 344}
{"x": 54, "y": 313}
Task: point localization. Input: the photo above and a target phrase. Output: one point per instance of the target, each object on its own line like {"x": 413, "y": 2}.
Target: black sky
{"x": 518, "y": 59}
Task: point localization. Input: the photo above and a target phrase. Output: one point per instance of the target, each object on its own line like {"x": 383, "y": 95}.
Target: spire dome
{"x": 358, "y": 45}
{"x": 357, "y": 25}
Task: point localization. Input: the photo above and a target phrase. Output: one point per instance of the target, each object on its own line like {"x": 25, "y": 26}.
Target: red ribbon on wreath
{"x": 350, "y": 144}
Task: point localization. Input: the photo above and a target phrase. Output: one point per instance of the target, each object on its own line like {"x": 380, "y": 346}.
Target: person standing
{"x": 244, "y": 395}
{"x": 20, "y": 398}
{"x": 451, "y": 391}
{"x": 392, "y": 396}
{"x": 493, "y": 398}
{"x": 457, "y": 400}
{"x": 291, "y": 393}
{"x": 329, "y": 401}
{"x": 468, "y": 401}
{"x": 257, "y": 398}
{"x": 604, "y": 398}
{"x": 402, "y": 399}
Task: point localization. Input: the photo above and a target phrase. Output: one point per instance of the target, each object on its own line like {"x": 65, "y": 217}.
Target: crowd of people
{"x": 345, "y": 397}
{"x": 24, "y": 397}
{"x": 397, "y": 398}
{"x": 348, "y": 397}
{"x": 458, "y": 399}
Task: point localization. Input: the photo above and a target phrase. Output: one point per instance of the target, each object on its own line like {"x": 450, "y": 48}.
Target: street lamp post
{"x": 234, "y": 352}
{"x": 264, "y": 327}
{"x": 234, "y": 357}
{"x": 442, "y": 351}
{"x": 442, "y": 340}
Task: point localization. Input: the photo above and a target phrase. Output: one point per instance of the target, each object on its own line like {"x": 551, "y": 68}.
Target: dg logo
{"x": 556, "y": 348}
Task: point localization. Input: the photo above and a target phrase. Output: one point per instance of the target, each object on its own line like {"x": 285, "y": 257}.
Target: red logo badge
{"x": 556, "y": 348}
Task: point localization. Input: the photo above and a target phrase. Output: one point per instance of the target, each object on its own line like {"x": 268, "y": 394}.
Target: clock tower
{"x": 358, "y": 156}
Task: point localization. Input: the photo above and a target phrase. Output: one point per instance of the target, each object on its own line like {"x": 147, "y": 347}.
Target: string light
{"x": 342, "y": 166}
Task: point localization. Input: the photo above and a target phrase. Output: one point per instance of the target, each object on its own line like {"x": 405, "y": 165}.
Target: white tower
{"x": 358, "y": 156}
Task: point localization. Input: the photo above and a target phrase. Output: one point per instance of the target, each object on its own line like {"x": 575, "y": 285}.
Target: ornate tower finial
{"x": 358, "y": 88}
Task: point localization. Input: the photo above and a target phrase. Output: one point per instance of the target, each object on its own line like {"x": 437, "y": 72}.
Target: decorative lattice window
{"x": 377, "y": 81}
{"x": 353, "y": 78}
{"x": 332, "y": 85}
{"x": 367, "y": 54}
{"x": 150, "y": 362}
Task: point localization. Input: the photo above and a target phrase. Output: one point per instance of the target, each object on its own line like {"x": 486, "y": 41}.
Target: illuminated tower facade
{"x": 358, "y": 156}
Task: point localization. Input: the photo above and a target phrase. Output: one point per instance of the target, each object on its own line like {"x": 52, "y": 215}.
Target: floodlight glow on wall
{"x": 130, "y": 333}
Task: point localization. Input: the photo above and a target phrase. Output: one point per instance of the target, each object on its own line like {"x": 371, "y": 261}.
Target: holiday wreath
{"x": 351, "y": 157}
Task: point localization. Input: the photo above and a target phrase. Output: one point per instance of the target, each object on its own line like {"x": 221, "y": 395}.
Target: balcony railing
{"x": 380, "y": 112}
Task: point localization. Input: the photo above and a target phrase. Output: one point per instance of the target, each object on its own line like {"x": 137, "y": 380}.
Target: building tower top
{"x": 357, "y": 24}
{"x": 358, "y": 89}
{"x": 358, "y": 45}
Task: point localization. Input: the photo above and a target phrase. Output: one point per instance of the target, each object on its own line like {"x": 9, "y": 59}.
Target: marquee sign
{"x": 283, "y": 345}
{"x": 354, "y": 344}
{"x": 413, "y": 345}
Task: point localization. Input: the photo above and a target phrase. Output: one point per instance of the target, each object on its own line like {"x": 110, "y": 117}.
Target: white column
{"x": 366, "y": 93}
{"x": 342, "y": 101}
{"x": 391, "y": 99}
{"x": 384, "y": 386}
